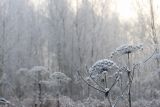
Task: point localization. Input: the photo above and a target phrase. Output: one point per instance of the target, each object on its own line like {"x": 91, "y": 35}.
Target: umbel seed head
{"x": 102, "y": 66}
{"x": 126, "y": 49}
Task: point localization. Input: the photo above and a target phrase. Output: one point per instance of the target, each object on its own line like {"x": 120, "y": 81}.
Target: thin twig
{"x": 149, "y": 57}
{"x": 117, "y": 99}
{"x": 94, "y": 80}
{"x": 90, "y": 84}
{"x": 117, "y": 78}
{"x": 110, "y": 103}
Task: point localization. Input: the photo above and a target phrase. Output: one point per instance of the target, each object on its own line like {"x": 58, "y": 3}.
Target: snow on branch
{"x": 102, "y": 66}
{"x": 125, "y": 49}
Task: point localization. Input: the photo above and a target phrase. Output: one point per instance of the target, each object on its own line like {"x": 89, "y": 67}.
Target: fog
{"x": 79, "y": 53}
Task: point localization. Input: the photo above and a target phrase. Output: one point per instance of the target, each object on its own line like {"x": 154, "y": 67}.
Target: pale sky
{"x": 124, "y": 8}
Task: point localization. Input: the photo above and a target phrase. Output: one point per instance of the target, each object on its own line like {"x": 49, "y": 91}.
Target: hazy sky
{"x": 124, "y": 8}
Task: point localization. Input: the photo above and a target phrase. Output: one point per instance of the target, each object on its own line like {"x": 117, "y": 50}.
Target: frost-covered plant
{"x": 22, "y": 83}
{"x": 36, "y": 75}
{"x": 101, "y": 66}
{"x": 38, "y": 68}
{"x": 92, "y": 102}
{"x": 39, "y": 72}
{"x": 6, "y": 84}
{"x": 126, "y": 49}
{"x": 108, "y": 69}
{"x": 66, "y": 102}
{"x": 33, "y": 82}
{"x": 3, "y": 101}
{"x": 89, "y": 80}
{"x": 56, "y": 82}
{"x": 59, "y": 77}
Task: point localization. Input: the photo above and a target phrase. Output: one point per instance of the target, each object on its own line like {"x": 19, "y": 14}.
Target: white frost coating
{"x": 39, "y": 71}
{"x": 60, "y": 77}
{"x": 125, "y": 49}
{"x": 105, "y": 72}
{"x": 89, "y": 80}
{"x": 38, "y": 68}
{"x": 106, "y": 89}
{"x": 22, "y": 71}
{"x": 4, "y": 101}
{"x": 49, "y": 83}
{"x": 102, "y": 66}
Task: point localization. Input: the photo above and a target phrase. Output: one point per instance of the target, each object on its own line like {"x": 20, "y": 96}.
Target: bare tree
{"x": 153, "y": 29}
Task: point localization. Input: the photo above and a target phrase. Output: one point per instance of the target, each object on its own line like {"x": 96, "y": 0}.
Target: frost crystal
{"x": 102, "y": 66}
{"x": 125, "y": 49}
{"x": 106, "y": 89}
{"x": 60, "y": 77}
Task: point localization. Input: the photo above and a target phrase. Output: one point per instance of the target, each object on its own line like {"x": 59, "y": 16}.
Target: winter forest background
{"x": 48, "y": 47}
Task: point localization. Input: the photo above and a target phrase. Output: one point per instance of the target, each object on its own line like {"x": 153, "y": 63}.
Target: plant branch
{"x": 94, "y": 80}
{"x": 90, "y": 84}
